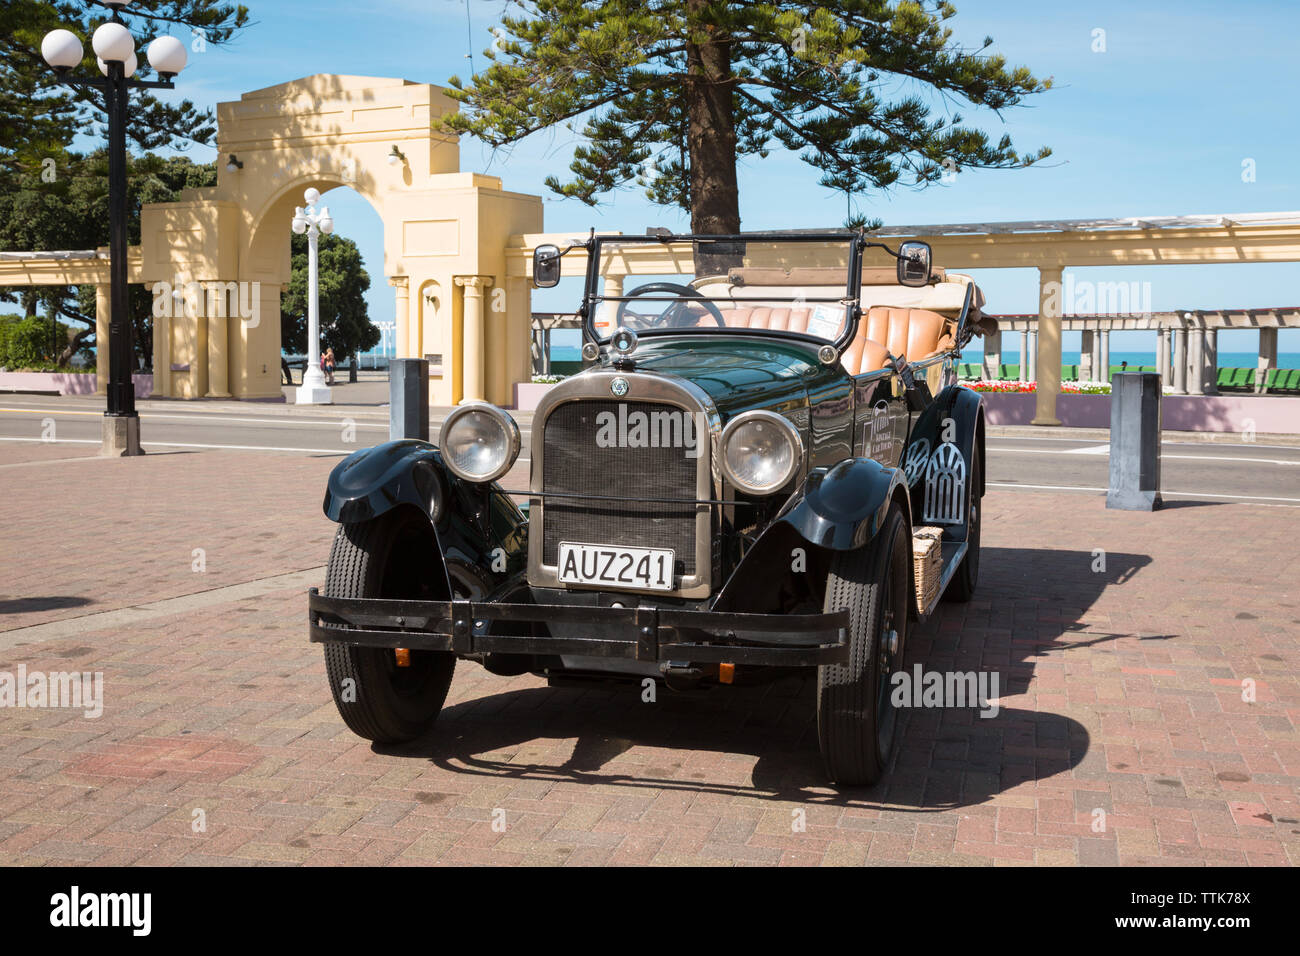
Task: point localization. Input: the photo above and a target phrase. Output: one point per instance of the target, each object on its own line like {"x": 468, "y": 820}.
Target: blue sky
{"x": 1158, "y": 124}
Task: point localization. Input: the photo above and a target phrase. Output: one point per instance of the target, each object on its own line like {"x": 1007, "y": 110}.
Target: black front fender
{"x": 844, "y": 506}
{"x": 375, "y": 480}
{"x": 481, "y": 534}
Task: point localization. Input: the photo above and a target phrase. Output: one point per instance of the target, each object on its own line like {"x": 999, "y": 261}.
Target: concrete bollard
{"x": 408, "y": 399}
{"x": 1134, "y": 442}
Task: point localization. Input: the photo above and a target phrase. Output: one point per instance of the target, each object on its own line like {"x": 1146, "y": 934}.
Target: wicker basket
{"x": 927, "y": 565}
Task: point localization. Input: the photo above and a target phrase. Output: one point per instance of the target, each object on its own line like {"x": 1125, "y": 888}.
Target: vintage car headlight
{"x": 761, "y": 452}
{"x": 479, "y": 442}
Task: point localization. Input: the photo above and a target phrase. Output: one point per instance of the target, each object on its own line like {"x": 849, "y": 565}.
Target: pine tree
{"x": 672, "y": 93}
{"x": 39, "y": 117}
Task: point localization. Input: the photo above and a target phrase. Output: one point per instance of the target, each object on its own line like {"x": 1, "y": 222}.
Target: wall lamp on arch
{"x": 233, "y": 163}
{"x": 396, "y": 156}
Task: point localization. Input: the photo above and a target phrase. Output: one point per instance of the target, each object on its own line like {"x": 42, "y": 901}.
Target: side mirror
{"x": 914, "y": 263}
{"x": 546, "y": 266}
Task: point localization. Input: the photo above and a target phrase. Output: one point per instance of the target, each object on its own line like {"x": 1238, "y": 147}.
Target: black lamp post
{"x": 115, "y": 49}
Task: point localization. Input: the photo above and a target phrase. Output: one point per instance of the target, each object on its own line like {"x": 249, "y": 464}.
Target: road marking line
{"x": 1181, "y": 494}
{"x": 1103, "y": 450}
{"x": 191, "y": 416}
{"x": 183, "y": 444}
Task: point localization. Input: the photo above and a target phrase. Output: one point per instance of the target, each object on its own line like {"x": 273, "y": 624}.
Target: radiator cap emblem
{"x": 619, "y": 386}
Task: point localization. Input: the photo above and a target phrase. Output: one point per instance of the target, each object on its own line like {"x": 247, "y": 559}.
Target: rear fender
{"x": 937, "y": 464}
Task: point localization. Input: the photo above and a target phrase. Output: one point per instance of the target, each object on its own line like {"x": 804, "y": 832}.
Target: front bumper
{"x": 632, "y": 633}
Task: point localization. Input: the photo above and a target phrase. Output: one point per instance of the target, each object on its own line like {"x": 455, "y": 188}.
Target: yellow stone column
{"x": 402, "y": 318}
{"x": 473, "y": 359}
{"x": 1048, "y": 360}
{"x": 162, "y": 348}
{"x": 519, "y": 335}
{"x": 102, "y": 307}
{"x": 218, "y": 342}
{"x": 498, "y": 381}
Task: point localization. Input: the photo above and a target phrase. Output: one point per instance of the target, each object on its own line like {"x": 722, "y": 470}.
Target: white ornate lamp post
{"x": 313, "y": 390}
{"x": 115, "y": 53}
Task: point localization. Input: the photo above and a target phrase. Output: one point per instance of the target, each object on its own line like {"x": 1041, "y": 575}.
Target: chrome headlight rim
{"x": 787, "y": 427}
{"x": 508, "y": 425}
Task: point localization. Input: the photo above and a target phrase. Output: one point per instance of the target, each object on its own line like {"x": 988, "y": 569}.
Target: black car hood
{"x": 737, "y": 371}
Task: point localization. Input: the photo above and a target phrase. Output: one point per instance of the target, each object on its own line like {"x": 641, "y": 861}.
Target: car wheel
{"x": 376, "y": 698}
{"x": 856, "y": 719}
{"x": 962, "y": 586}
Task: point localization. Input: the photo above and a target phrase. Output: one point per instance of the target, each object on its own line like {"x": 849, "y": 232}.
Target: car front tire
{"x": 386, "y": 558}
{"x": 856, "y": 721}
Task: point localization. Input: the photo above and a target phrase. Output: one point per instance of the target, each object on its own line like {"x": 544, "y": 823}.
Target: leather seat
{"x": 914, "y": 333}
{"x": 761, "y": 317}
{"x": 884, "y": 330}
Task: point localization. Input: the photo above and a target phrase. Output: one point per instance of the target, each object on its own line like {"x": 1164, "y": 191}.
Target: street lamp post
{"x": 115, "y": 50}
{"x": 313, "y": 390}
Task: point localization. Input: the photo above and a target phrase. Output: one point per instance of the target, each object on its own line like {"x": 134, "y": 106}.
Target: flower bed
{"x": 1067, "y": 388}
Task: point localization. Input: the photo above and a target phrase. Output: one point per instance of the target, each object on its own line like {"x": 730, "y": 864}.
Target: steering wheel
{"x": 675, "y": 315}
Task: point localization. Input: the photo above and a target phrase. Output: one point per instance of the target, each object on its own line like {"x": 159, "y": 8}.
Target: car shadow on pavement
{"x": 761, "y": 741}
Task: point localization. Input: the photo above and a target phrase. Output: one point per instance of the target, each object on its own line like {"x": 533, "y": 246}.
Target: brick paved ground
{"x": 1122, "y": 693}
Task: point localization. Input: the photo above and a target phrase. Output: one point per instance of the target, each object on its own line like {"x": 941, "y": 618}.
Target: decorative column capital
{"x": 473, "y": 285}
{"x": 399, "y": 282}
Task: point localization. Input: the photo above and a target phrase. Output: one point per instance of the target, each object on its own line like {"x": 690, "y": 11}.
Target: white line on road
{"x": 182, "y": 444}
{"x": 1181, "y": 494}
{"x": 1104, "y": 450}
{"x": 206, "y": 417}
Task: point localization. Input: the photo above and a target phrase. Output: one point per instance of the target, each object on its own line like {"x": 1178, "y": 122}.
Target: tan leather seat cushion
{"x": 761, "y": 317}
{"x": 885, "y": 330}
{"x": 914, "y": 333}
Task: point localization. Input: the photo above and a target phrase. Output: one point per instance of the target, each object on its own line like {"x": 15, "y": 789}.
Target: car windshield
{"x": 793, "y": 284}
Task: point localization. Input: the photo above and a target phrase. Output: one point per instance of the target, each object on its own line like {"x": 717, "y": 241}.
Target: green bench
{"x": 1286, "y": 381}
{"x": 1236, "y": 380}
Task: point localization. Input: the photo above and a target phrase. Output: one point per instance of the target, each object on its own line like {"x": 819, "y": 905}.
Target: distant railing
{"x": 542, "y": 326}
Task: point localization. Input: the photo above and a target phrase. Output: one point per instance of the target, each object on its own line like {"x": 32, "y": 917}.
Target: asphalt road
{"x": 1219, "y": 471}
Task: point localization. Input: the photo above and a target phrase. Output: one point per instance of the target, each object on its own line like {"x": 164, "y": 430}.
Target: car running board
{"x": 951, "y": 553}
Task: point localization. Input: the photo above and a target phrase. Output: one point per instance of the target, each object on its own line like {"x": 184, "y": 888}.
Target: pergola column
{"x": 1196, "y": 353}
{"x": 1180, "y": 361}
{"x": 1211, "y": 361}
{"x": 1031, "y": 356}
{"x": 1024, "y": 356}
{"x": 1047, "y": 358}
{"x": 1103, "y": 349}
{"x": 1162, "y": 357}
{"x": 992, "y": 356}
{"x": 1086, "y": 355}
{"x": 402, "y": 317}
{"x": 1267, "y": 356}
{"x": 101, "y": 338}
{"x": 473, "y": 361}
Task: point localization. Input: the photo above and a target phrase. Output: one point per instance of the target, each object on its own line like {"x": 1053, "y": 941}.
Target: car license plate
{"x": 616, "y": 567}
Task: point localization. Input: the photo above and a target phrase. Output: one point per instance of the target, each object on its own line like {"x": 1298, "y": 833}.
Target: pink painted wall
{"x": 1187, "y": 413}
{"x": 65, "y": 383}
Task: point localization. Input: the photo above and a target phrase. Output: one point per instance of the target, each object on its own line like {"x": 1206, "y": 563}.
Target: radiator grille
{"x": 575, "y": 463}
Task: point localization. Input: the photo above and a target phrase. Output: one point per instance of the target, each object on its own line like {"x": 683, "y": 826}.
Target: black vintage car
{"x": 729, "y": 490}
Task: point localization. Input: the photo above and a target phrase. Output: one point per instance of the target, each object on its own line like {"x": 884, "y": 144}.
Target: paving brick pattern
{"x": 1122, "y": 735}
